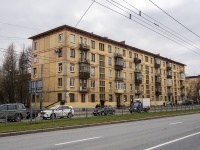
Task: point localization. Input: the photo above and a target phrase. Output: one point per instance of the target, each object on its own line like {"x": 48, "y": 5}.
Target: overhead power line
{"x": 174, "y": 19}
{"x": 145, "y": 26}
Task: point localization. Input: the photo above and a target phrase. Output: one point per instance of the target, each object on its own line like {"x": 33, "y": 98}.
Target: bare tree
{"x": 9, "y": 73}
{"x": 24, "y": 76}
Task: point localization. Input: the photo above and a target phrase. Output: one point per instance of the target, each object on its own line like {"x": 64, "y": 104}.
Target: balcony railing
{"x": 137, "y": 70}
{"x": 158, "y": 92}
{"x": 84, "y": 90}
{"x": 118, "y": 67}
{"x": 138, "y": 92}
{"x": 169, "y": 84}
{"x": 118, "y": 55}
{"x": 169, "y": 76}
{"x": 169, "y": 93}
{"x": 157, "y": 82}
{"x": 84, "y": 47}
{"x": 84, "y": 75}
{"x": 119, "y": 79}
{"x": 138, "y": 81}
{"x": 137, "y": 60}
{"x": 119, "y": 91}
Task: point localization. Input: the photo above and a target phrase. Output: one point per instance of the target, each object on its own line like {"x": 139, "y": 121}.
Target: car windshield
{"x": 136, "y": 104}
{"x": 55, "y": 107}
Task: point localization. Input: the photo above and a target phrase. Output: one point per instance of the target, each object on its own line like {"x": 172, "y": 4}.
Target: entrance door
{"x": 118, "y": 100}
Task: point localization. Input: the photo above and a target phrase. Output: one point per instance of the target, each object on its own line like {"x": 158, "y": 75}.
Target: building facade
{"x": 84, "y": 69}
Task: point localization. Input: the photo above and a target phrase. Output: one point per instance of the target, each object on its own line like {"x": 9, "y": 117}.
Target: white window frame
{"x": 110, "y": 85}
{"x": 92, "y": 70}
{"x": 72, "y": 67}
{"x": 124, "y": 75}
{"x": 131, "y": 76}
{"x": 59, "y": 82}
{"x": 35, "y": 59}
{"x": 110, "y": 73}
{"x": 92, "y": 84}
{"x": 60, "y": 38}
{"x": 72, "y": 80}
{"x": 34, "y": 71}
{"x": 59, "y": 67}
{"x": 109, "y": 61}
{"x": 72, "y": 38}
{"x": 35, "y": 45}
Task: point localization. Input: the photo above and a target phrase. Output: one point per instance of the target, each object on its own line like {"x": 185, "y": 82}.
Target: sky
{"x": 153, "y": 31}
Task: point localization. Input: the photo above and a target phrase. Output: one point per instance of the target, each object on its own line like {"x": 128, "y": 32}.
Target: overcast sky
{"x": 42, "y": 15}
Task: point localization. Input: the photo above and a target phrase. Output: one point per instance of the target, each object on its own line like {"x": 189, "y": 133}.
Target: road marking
{"x": 160, "y": 145}
{"x": 78, "y": 141}
{"x": 175, "y": 123}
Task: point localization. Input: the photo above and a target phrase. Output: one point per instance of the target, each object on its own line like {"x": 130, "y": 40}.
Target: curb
{"x": 87, "y": 125}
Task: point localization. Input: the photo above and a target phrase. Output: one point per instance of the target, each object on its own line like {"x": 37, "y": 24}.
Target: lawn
{"x": 43, "y": 124}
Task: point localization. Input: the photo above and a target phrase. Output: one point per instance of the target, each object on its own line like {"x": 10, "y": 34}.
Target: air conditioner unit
{"x": 56, "y": 51}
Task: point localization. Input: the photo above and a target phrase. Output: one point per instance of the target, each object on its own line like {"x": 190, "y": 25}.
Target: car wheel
{"x": 102, "y": 113}
{"x": 138, "y": 111}
{"x": 113, "y": 112}
{"x": 18, "y": 117}
{"x": 69, "y": 115}
{"x": 53, "y": 116}
{"x": 44, "y": 118}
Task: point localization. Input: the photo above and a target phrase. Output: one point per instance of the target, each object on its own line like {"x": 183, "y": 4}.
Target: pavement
{"x": 5, "y": 134}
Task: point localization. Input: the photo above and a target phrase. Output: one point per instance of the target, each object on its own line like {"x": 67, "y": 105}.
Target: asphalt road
{"x": 173, "y": 133}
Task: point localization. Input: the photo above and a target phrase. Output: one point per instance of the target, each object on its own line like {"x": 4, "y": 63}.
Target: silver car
{"x": 58, "y": 111}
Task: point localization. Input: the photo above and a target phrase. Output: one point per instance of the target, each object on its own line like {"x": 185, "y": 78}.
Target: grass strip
{"x": 42, "y": 124}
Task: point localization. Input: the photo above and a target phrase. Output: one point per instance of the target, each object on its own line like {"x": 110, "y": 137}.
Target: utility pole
{"x": 41, "y": 94}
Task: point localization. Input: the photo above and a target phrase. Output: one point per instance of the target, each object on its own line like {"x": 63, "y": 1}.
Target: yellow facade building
{"x": 84, "y": 69}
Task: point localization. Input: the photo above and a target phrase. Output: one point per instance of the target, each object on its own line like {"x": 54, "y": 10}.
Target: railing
{"x": 85, "y": 112}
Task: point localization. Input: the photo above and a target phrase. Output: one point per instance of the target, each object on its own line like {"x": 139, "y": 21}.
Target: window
{"x": 60, "y": 52}
{"x": 110, "y": 73}
{"x": 72, "y": 38}
{"x": 34, "y": 71}
{"x": 59, "y": 96}
{"x": 110, "y": 98}
{"x": 131, "y": 87}
{"x": 60, "y": 37}
{"x": 59, "y": 81}
{"x": 124, "y": 64}
{"x": 124, "y": 86}
{"x": 130, "y": 64}
{"x": 93, "y": 57}
{"x": 72, "y": 82}
{"x": 60, "y": 67}
{"x": 110, "y": 85}
{"x": 124, "y": 74}
{"x": 92, "y": 84}
{"x": 131, "y": 76}
{"x": 72, "y": 53}
{"x": 92, "y": 97}
{"x": 81, "y": 40}
{"x": 151, "y": 69}
{"x": 163, "y": 64}
{"x": 35, "y": 58}
{"x": 72, "y": 67}
{"x": 72, "y": 98}
{"x": 141, "y": 57}
{"x": 151, "y": 60}
{"x": 83, "y": 98}
{"x": 92, "y": 44}
{"x": 146, "y": 58}
{"x": 93, "y": 70}
{"x": 109, "y": 61}
{"x": 124, "y": 53}
{"x": 152, "y": 89}
{"x": 109, "y": 49}
{"x": 130, "y": 54}
{"x": 35, "y": 45}
{"x": 101, "y": 46}
{"x": 85, "y": 41}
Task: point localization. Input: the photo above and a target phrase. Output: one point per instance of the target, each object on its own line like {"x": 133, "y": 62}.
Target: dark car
{"x": 186, "y": 102}
{"x": 13, "y": 112}
{"x": 169, "y": 103}
{"x": 104, "y": 111}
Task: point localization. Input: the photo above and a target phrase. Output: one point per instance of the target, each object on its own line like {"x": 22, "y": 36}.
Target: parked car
{"x": 186, "y": 102}
{"x": 13, "y": 112}
{"x": 35, "y": 110}
{"x": 104, "y": 111}
{"x": 169, "y": 103}
{"x": 140, "y": 105}
{"x": 58, "y": 111}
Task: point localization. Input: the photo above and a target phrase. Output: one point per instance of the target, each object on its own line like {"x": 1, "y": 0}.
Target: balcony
{"x": 158, "y": 82}
{"x": 84, "y": 68}
{"x": 169, "y": 93}
{"x": 118, "y": 67}
{"x": 137, "y": 60}
{"x": 138, "y": 81}
{"x": 182, "y": 94}
{"x": 138, "y": 92}
{"x": 119, "y": 91}
{"x": 182, "y": 86}
{"x": 157, "y": 63}
{"x": 169, "y": 84}
{"x": 84, "y": 47}
{"x": 157, "y": 74}
{"x": 181, "y": 71}
{"x": 169, "y": 76}
{"x": 158, "y": 93}
{"x": 119, "y": 79}
{"x": 137, "y": 70}
{"x": 84, "y": 90}
{"x": 169, "y": 66}
{"x": 118, "y": 55}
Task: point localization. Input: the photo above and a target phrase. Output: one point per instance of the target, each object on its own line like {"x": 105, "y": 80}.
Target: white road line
{"x": 160, "y": 145}
{"x": 77, "y": 141}
{"x": 175, "y": 123}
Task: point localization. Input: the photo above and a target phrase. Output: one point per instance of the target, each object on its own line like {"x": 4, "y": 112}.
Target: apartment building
{"x": 192, "y": 86}
{"x": 84, "y": 69}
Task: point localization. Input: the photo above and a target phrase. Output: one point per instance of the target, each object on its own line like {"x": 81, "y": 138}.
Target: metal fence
{"x": 83, "y": 112}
